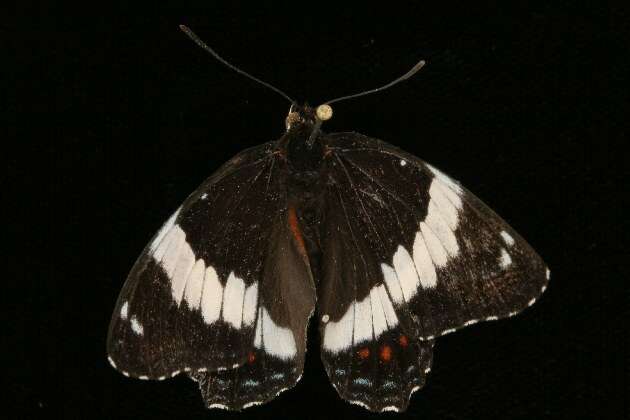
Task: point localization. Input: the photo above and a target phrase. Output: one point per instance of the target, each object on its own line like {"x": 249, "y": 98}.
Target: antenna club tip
{"x": 324, "y": 112}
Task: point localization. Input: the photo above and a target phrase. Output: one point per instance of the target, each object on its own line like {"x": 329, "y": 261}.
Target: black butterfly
{"x": 390, "y": 253}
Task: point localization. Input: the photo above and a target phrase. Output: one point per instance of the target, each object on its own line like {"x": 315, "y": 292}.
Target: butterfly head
{"x": 300, "y": 146}
{"x": 304, "y": 116}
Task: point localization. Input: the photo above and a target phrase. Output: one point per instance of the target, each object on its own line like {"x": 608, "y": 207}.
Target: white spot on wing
{"x": 124, "y": 310}
{"x": 183, "y": 267}
{"x": 448, "y": 208}
{"x": 505, "y": 260}
{"x": 406, "y": 272}
{"x": 233, "y": 301}
{"x": 359, "y": 403}
{"x": 362, "y": 381}
{"x": 171, "y": 256}
{"x": 379, "y": 323}
{"x": 403, "y": 162}
{"x": 159, "y": 252}
{"x": 338, "y": 335}
{"x": 194, "y": 285}
{"x": 250, "y": 304}
{"x": 111, "y": 362}
{"x": 325, "y": 318}
{"x": 441, "y": 229}
{"x": 388, "y": 308}
{"x": 275, "y": 340}
{"x": 362, "y": 321}
{"x": 211, "y": 297}
{"x": 445, "y": 180}
{"x": 136, "y": 326}
{"x": 163, "y": 231}
{"x": 389, "y": 385}
{"x": 251, "y": 382}
{"x": 393, "y": 285}
{"x": 438, "y": 254}
{"x": 221, "y": 406}
{"x": 258, "y": 339}
{"x": 424, "y": 264}
{"x": 507, "y": 238}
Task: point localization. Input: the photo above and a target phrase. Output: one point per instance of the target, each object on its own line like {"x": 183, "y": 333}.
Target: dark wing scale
{"x": 167, "y": 319}
{"x": 396, "y": 223}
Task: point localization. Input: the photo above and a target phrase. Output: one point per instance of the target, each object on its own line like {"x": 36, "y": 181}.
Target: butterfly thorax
{"x": 303, "y": 152}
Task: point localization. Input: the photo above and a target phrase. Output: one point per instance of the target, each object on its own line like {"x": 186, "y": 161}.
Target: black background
{"x": 116, "y": 116}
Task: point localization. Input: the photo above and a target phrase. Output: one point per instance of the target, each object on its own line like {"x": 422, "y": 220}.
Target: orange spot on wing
{"x": 403, "y": 341}
{"x": 364, "y": 353}
{"x": 251, "y": 357}
{"x": 386, "y": 353}
{"x": 295, "y": 230}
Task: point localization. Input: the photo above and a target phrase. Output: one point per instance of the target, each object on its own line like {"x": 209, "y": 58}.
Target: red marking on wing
{"x": 297, "y": 233}
{"x": 364, "y": 353}
{"x": 403, "y": 341}
{"x": 251, "y": 357}
{"x": 386, "y": 353}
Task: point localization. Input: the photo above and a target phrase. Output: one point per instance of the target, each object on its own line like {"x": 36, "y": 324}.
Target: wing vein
{"x": 354, "y": 308}
{"x": 356, "y": 193}
{"x": 374, "y": 180}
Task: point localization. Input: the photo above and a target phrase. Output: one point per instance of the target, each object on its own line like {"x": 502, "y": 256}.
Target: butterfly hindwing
{"x": 406, "y": 245}
{"x": 209, "y": 296}
{"x": 286, "y": 303}
{"x": 254, "y": 383}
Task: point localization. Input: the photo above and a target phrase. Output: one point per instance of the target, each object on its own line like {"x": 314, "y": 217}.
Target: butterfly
{"x": 384, "y": 250}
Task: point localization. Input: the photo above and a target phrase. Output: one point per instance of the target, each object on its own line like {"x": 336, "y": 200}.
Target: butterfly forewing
{"x": 408, "y": 252}
{"x": 209, "y": 293}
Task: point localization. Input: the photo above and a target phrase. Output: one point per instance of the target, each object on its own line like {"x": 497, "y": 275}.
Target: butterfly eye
{"x": 324, "y": 112}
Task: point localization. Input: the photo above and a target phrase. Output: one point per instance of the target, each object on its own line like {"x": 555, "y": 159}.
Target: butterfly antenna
{"x": 203, "y": 45}
{"x": 405, "y": 76}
